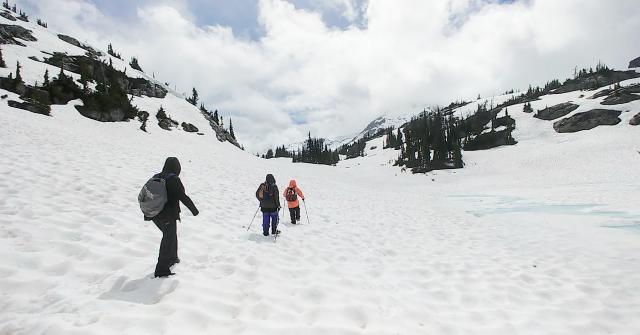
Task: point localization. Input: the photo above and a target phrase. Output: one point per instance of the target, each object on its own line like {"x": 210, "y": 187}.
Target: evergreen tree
{"x": 193, "y": 99}
{"x": 233, "y": 135}
{"x": 6, "y": 6}
{"x": 216, "y": 118}
{"x": 269, "y": 154}
{"x": 46, "y": 78}
{"x": 134, "y": 64}
{"x": 18, "y": 75}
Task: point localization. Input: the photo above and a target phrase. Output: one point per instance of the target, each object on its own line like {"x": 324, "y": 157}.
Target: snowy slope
{"x": 384, "y": 252}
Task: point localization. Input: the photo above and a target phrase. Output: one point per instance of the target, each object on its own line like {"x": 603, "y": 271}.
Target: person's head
{"x": 172, "y": 165}
{"x": 271, "y": 180}
{"x": 292, "y": 183}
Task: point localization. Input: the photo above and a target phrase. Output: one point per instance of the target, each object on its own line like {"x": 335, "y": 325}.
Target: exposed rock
{"x": 595, "y": 80}
{"x": 32, "y": 107}
{"x": 7, "y": 15}
{"x": 554, "y": 112}
{"x": 602, "y": 93}
{"x": 588, "y": 120}
{"x": 490, "y": 140}
{"x": 141, "y": 86}
{"x": 505, "y": 121}
{"x": 620, "y": 98}
{"x": 9, "y": 33}
{"x": 635, "y": 120}
{"x": 164, "y": 121}
{"x": 97, "y": 72}
{"x": 188, "y": 127}
{"x": 634, "y": 63}
{"x": 143, "y": 117}
{"x": 77, "y": 43}
{"x": 221, "y": 134}
{"x": 112, "y": 115}
{"x": 38, "y": 95}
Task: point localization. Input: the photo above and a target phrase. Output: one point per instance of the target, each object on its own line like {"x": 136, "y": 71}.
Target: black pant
{"x": 295, "y": 214}
{"x": 168, "y": 254}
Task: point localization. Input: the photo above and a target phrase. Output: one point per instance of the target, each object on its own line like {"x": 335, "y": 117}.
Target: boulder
{"x": 602, "y": 93}
{"x": 588, "y": 120}
{"x": 9, "y": 33}
{"x": 188, "y": 127}
{"x": 73, "y": 41}
{"x": 620, "y": 98}
{"x": 112, "y": 115}
{"x": 635, "y": 120}
{"x": 7, "y": 15}
{"x": 490, "y": 140}
{"x": 634, "y": 63}
{"x": 32, "y": 107}
{"x": 554, "y": 112}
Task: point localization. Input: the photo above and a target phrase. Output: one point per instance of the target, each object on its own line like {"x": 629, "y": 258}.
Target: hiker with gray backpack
{"x": 159, "y": 200}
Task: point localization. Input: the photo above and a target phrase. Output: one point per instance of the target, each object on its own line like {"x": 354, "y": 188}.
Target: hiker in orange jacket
{"x": 291, "y": 193}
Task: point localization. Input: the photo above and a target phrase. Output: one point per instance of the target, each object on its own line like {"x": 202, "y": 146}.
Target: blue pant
{"x": 268, "y": 218}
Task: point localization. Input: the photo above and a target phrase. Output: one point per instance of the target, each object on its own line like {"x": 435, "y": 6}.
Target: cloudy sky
{"x": 282, "y": 68}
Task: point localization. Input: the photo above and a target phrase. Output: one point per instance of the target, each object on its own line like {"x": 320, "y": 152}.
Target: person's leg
{"x": 274, "y": 223}
{"x": 162, "y": 268}
{"x": 292, "y": 214}
{"x": 172, "y": 229}
{"x": 298, "y": 213}
{"x": 265, "y": 224}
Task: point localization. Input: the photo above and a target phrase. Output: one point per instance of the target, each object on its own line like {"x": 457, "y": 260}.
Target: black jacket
{"x": 175, "y": 193}
{"x": 270, "y": 201}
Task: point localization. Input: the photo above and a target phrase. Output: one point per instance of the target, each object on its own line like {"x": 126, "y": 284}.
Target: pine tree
{"x": 18, "y": 75}
{"x": 2, "y": 63}
{"x": 46, "y": 78}
{"x": 134, "y": 64}
{"x": 193, "y": 99}
{"x": 202, "y": 108}
{"x": 6, "y": 6}
{"x": 233, "y": 135}
{"x": 216, "y": 118}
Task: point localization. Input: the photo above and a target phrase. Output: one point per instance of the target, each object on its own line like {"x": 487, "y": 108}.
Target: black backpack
{"x": 291, "y": 194}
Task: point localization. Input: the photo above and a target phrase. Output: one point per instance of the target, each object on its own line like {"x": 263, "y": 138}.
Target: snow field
{"x": 385, "y": 252}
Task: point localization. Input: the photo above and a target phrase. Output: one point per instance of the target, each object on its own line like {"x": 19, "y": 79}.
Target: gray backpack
{"x": 153, "y": 196}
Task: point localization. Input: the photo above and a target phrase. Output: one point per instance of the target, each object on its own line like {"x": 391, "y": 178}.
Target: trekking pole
{"x": 305, "y": 210}
{"x": 254, "y": 217}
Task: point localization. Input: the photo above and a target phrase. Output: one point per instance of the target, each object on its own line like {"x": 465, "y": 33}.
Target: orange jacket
{"x": 293, "y": 204}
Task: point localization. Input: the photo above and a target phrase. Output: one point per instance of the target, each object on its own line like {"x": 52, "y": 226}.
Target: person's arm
{"x": 300, "y": 193}
{"x": 184, "y": 198}
{"x": 278, "y": 197}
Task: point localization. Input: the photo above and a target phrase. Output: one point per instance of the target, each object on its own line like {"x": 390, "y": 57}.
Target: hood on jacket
{"x": 271, "y": 180}
{"x": 172, "y": 165}
{"x": 293, "y": 184}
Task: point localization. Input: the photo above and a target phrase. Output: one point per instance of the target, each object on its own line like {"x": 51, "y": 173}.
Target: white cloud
{"x": 410, "y": 54}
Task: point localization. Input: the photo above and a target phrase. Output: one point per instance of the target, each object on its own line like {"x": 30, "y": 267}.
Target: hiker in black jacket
{"x": 170, "y": 214}
{"x": 269, "y": 198}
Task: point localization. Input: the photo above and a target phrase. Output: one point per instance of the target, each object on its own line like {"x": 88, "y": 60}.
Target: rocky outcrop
{"x": 143, "y": 117}
{"x": 77, "y": 43}
{"x": 111, "y": 115}
{"x": 221, "y": 134}
{"x": 32, "y": 107}
{"x": 602, "y": 93}
{"x": 97, "y": 71}
{"x": 620, "y": 98}
{"x": 164, "y": 121}
{"x": 189, "y": 128}
{"x": 557, "y": 111}
{"x": 634, "y": 63}
{"x": 588, "y": 120}
{"x": 595, "y": 80}
{"x": 142, "y": 87}
{"x": 635, "y": 120}
{"x": 9, "y": 33}
{"x": 490, "y": 140}
{"x": 7, "y": 15}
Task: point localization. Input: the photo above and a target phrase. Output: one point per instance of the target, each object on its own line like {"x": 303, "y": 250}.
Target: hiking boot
{"x": 165, "y": 275}
{"x": 265, "y": 233}
{"x": 276, "y": 232}
{"x": 293, "y": 222}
